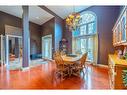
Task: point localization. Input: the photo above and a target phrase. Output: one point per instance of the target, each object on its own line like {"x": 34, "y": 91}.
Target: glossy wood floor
{"x": 42, "y": 77}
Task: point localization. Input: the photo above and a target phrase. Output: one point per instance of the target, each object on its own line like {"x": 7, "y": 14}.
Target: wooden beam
{"x": 49, "y": 11}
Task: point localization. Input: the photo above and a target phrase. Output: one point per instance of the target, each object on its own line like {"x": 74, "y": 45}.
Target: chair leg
{"x": 61, "y": 77}
{"x": 77, "y": 73}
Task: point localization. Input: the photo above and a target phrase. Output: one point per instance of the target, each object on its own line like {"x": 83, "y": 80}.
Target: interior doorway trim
{"x": 2, "y": 50}
{"x": 7, "y": 48}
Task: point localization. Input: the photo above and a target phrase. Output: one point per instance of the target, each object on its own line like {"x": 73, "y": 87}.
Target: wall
{"x": 48, "y": 29}
{"x": 35, "y": 38}
{"x": 68, "y": 36}
{"x": 58, "y": 32}
{"x": 106, "y": 17}
{"x": 54, "y": 27}
{"x": 7, "y": 19}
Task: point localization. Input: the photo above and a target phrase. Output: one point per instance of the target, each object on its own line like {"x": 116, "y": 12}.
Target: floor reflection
{"x": 43, "y": 77}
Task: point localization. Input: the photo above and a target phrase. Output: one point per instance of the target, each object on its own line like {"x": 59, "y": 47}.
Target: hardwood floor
{"x": 42, "y": 77}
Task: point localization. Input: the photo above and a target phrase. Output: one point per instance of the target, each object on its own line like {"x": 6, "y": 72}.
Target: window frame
{"x": 87, "y": 35}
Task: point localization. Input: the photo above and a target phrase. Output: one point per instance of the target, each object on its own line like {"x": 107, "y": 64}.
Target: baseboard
{"x": 101, "y": 65}
{"x": 25, "y": 68}
{"x": 46, "y": 59}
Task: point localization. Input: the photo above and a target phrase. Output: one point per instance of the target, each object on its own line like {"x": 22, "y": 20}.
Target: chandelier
{"x": 72, "y": 21}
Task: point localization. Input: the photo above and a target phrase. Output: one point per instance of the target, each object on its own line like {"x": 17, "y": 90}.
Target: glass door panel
{"x": 46, "y": 48}
{"x": 83, "y": 45}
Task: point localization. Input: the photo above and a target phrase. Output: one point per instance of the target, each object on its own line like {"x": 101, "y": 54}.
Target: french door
{"x": 83, "y": 45}
{"x": 47, "y": 47}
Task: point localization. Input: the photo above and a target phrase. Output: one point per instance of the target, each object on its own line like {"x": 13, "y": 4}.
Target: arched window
{"x": 85, "y": 38}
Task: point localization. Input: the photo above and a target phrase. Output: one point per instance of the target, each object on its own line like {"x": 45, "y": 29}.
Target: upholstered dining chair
{"x": 80, "y": 65}
{"x": 62, "y": 69}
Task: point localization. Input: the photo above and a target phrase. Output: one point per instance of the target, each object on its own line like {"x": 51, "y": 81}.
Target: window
{"x": 84, "y": 38}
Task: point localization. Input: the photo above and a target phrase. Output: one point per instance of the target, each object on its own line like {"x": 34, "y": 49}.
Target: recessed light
{"x": 37, "y": 17}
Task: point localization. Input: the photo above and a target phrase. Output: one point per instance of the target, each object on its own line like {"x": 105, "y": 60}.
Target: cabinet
{"x": 116, "y": 67}
{"x": 120, "y": 29}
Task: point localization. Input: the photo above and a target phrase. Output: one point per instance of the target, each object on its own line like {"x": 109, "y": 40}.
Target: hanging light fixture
{"x": 72, "y": 21}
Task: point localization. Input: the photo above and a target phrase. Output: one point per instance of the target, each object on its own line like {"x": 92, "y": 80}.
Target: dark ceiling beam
{"x": 49, "y": 11}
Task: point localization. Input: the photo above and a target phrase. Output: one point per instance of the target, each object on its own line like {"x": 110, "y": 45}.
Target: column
{"x": 26, "y": 37}
{"x": 16, "y": 50}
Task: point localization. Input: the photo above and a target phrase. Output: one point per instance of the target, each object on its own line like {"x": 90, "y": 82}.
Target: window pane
{"x": 75, "y": 33}
{"x": 83, "y": 30}
{"x": 91, "y": 28}
{"x": 87, "y": 17}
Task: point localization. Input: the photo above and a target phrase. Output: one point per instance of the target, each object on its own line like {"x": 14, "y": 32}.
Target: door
{"x": 85, "y": 45}
{"x": 47, "y": 47}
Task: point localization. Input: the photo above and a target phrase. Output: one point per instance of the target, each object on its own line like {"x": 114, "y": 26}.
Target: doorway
{"x": 13, "y": 52}
{"x": 2, "y": 50}
{"x": 47, "y": 47}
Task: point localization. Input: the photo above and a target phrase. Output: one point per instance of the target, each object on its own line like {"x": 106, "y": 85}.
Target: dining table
{"x": 70, "y": 61}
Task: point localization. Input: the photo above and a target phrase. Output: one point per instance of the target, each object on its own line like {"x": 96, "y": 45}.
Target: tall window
{"x": 85, "y": 38}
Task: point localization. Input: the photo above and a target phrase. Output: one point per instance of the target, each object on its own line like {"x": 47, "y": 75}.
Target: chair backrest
{"x": 59, "y": 62}
{"x": 83, "y": 59}
{"x": 56, "y": 53}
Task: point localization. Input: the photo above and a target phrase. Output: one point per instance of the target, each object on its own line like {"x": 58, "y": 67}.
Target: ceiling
{"x": 36, "y": 14}
{"x": 64, "y": 11}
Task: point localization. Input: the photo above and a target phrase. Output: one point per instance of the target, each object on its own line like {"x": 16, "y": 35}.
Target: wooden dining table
{"x": 70, "y": 61}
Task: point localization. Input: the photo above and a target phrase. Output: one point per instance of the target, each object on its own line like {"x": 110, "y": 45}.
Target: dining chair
{"x": 80, "y": 65}
{"x": 56, "y": 53}
{"x": 62, "y": 69}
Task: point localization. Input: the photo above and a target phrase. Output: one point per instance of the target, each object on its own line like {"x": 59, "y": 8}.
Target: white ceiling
{"x": 40, "y": 16}
{"x": 64, "y": 11}
{"x": 36, "y": 14}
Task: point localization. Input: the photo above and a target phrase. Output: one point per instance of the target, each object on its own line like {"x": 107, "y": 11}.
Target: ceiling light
{"x": 72, "y": 21}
